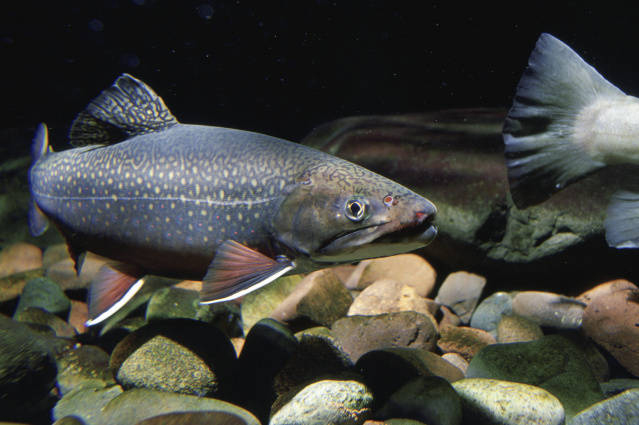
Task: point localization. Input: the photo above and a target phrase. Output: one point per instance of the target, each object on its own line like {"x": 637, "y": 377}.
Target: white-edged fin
{"x": 237, "y": 270}
{"x": 622, "y": 220}
{"x": 542, "y": 146}
{"x": 111, "y": 288}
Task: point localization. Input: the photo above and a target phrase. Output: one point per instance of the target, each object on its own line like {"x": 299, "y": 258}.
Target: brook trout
{"x": 232, "y": 208}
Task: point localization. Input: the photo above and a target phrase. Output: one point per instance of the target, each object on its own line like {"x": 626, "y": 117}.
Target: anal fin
{"x": 237, "y": 270}
{"x": 111, "y": 288}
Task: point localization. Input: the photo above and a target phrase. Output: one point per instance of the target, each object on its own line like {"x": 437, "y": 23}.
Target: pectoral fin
{"x": 111, "y": 288}
{"x": 237, "y": 270}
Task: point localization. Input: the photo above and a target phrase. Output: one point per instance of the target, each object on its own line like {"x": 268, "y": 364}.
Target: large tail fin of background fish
{"x": 38, "y": 223}
{"x": 545, "y": 132}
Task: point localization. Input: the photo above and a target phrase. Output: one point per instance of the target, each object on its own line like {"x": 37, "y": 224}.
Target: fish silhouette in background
{"x": 566, "y": 122}
{"x": 232, "y": 208}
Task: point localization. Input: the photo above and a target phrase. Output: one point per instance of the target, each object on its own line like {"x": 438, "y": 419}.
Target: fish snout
{"x": 426, "y": 213}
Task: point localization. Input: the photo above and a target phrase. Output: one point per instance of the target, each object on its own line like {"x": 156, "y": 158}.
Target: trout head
{"x": 341, "y": 213}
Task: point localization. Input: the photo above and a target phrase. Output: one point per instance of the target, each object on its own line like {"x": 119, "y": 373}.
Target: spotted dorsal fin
{"x": 126, "y": 109}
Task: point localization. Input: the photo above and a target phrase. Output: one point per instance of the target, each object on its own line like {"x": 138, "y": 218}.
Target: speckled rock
{"x": 42, "y": 317}
{"x": 429, "y": 399}
{"x": 611, "y": 319}
{"x": 172, "y": 355}
{"x": 195, "y": 418}
{"x": 388, "y": 296}
{"x": 548, "y": 309}
{"x": 260, "y": 304}
{"x": 513, "y": 328}
{"x": 463, "y": 340}
{"x": 488, "y": 313}
{"x": 385, "y": 371}
{"x": 554, "y": 363}
{"x": 18, "y": 258}
{"x": 409, "y": 269}
{"x": 133, "y": 406}
{"x": 268, "y": 347}
{"x": 320, "y": 297}
{"x": 456, "y": 360}
{"x": 45, "y": 294}
{"x": 327, "y": 402}
{"x": 460, "y": 291}
{"x": 82, "y": 364}
{"x": 491, "y": 401}
{"x": 173, "y": 303}
{"x": 360, "y": 334}
{"x": 86, "y": 402}
{"x": 622, "y": 409}
{"x": 318, "y": 355}
{"x": 27, "y": 370}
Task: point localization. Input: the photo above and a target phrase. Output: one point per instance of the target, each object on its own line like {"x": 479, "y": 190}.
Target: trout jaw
{"x": 378, "y": 240}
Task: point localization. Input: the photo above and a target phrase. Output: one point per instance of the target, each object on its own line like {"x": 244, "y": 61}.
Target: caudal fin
{"x": 542, "y": 153}
{"x": 38, "y": 222}
{"x": 622, "y": 220}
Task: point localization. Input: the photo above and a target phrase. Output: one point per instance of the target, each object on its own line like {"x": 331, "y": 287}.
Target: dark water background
{"x": 284, "y": 67}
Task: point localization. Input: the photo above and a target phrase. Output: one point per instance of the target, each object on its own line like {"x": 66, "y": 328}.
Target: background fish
{"x": 233, "y": 208}
{"x": 567, "y": 121}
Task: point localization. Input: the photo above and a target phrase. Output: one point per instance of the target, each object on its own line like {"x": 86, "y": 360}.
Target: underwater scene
{"x": 318, "y": 212}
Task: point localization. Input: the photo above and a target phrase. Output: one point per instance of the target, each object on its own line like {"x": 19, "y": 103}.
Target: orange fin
{"x": 237, "y": 270}
{"x": 111, "y": 288}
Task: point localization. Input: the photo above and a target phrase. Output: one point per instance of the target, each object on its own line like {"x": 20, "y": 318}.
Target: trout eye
{"x": 355, "y": 209}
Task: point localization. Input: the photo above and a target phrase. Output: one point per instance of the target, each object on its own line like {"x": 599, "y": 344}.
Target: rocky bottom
{"x": 366, "y": 344}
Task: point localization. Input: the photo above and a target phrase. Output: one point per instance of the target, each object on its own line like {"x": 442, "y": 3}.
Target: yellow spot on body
{"x": 194, "y": 169}
{"x": 151, "y": 172}
{"x": 127, "y": 175}
{"x": 230, "y": 185}
{"x": 256, "y": 215}
{"x": 107, "y": 205}
{"x": 150, "y": 206}
{"x": 183, "y": 180}
{"x": 253, "y": 182}
{"x": 221, "y": 194}
{"x": 210, "y": 228}
{"x": 225, "y": 173}
{"x": 110, "y": 180}
{"x": 239, "y": 216}
{"x": 167, "y": 219}
{"x": 172, "y": 205}
{"x": 204, "y": 212}
{"x": 197, "y": 190}
{"x": 122, "y": 208}
{"x": 228, "y": 217}
{"x": 206, "y": 239}
{"x": 190, "y": 213}
{"x": 190, "y": 226}
{"x": 157, "y": 190}
{"x": 171, "y": 174}
{"x": 115, "y": 198}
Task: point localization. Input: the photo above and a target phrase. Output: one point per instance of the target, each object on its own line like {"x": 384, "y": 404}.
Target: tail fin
{"x": 38, "y": 222}
{"x": 542, "y": 153}
{"x": 622, "y": 220}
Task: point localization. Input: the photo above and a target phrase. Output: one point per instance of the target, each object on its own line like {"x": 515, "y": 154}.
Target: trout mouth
{"x": 377, "y": 240}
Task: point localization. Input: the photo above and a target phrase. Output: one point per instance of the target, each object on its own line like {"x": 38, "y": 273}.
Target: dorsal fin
{"x": 126, "y": 109}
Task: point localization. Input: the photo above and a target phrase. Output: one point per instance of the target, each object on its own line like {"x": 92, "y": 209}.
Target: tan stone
{"x": 409, "y": 269}
{"x": 549, "y": 309}
{"x": 456, "y": 360}
{"x": 513, "y": 328}
{"x": 78, "y": 315}
{"x": 388, "y": 296}
{"x": 460, "y": 291}
{"x": 612, "y": 320}
{"x": 606, "y": 288}
{"x": 18, "y": 258}
{"x": 63, "y": 272}
{"x": 464, "y": 340}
